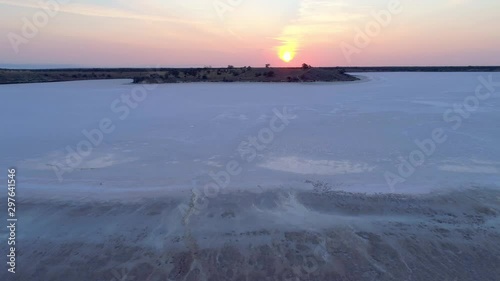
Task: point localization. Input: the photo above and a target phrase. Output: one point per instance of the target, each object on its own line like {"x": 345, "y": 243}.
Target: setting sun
{"x": 287, "y": 51}
{"x": 287, "y": 56}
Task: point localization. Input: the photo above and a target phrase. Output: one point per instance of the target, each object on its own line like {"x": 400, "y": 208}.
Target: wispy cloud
{"x": 317, "y": 21}
{"x": 96, "y": 11}
{"x": 458, "y": 2}
{"x": 154, "y": 26}
{"x": 253, "y": 31}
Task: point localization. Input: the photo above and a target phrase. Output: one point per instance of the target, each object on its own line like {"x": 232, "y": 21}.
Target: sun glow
{"x": 287, "y": 56}
{"x": 286, "y": 53}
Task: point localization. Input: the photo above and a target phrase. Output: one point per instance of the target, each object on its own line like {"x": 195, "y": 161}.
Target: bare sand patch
{"x": 272, "y": 235}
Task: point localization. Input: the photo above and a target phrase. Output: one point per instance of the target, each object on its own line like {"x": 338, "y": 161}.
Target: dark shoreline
{"x": 207, "y": 74}
{"x": 178, "y": 75}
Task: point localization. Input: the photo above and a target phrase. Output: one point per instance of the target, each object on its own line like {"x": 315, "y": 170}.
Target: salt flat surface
{"x": 131, "y": 209}
{"x": 342, "y": 136}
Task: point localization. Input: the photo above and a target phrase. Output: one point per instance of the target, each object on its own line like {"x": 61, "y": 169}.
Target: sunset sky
{"x": 111, "y": 33}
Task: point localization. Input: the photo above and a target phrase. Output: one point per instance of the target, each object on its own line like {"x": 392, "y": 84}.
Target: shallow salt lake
{"x": 95, "y": 135}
